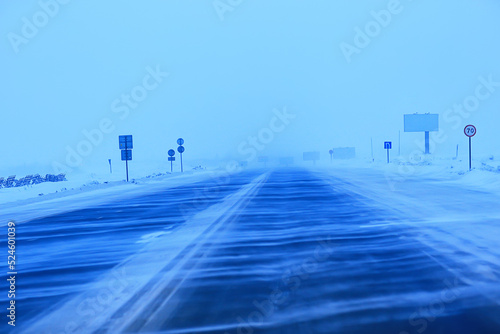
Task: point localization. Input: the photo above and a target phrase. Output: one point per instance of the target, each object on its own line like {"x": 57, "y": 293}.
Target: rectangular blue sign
{"x": 126, "y": 142}
{"x": 126, "y": 155}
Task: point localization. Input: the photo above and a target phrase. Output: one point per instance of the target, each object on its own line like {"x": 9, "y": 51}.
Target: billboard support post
{"x": 422, "y": 123}
{"x": 427, "y": 142}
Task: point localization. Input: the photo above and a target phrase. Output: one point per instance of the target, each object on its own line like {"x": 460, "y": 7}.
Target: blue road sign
{"x": 171, "y": 153}
{"x": 171, "y": 158}
{"x": 388, "y": 145}
{"x": 181, "y": 149}
{"x": 180, "y": 141}
{"x": 126, "y": 155}
{"x": 125, "y": 142}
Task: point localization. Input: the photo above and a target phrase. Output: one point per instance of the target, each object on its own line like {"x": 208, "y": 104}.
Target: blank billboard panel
{"x": 286, "y": 161}
{"x": 311, "y": 156}
{"x": 344, "y": 153}
{"x": 421, "y": 122}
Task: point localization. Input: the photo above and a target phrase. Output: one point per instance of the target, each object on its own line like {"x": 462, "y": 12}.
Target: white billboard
{"x": 421, "y": 122}
{"x": 311, "y": 156}
{"x": 344, "y": 153}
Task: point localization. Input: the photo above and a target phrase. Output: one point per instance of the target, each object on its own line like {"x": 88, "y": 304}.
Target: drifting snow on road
{"x": 286, "y": 251}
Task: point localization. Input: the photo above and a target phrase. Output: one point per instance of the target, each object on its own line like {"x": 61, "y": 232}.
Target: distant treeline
{"x": 11, "y": 181}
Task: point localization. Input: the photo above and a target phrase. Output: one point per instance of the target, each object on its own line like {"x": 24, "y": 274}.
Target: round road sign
{"x": 181, "y": 149}
{"x": 180, "y": 141}
{"x": 331, "y": 152}
{"x": 171, "y": 153}
{"x": 470, "y": 130}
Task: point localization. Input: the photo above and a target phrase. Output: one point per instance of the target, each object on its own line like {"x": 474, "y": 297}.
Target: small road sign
{"x": 126, "y": 142}
{"x": 181, "y": 150}
{"x": 388, "y": 146}
{"x": 171, "y": 158}
{"x": 470, "y": 131}
{"x": 126, "y": 155}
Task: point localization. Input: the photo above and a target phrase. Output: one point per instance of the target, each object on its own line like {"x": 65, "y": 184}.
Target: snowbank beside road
{"x": 25, "y": 203}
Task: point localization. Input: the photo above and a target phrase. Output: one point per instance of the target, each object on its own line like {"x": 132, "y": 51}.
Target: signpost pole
{"x": 181, "y": 149}
{"x": 387, "y": 155}
{"x": 126, "y": 160}
{"x": 470, "y": 154}
{"x": 470, "y": 131}
{"x": 126, "y": 166}
{"x": 110, "y": 168}
{"x": 171, "y": 166}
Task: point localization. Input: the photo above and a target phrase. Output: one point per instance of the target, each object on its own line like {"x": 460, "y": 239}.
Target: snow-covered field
{"x": 83, "y": 190}
{"x": 89, "y": 188}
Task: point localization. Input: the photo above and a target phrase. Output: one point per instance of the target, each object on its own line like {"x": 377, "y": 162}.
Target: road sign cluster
{"x": 126, "y": 145}
{"x": 171, "y": 154}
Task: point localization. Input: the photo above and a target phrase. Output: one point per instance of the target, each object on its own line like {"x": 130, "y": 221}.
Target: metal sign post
{"x": 181, "y": 150}
{"x": 388, "y": 146}
{"x": 110, "y": 168}
{"x": 126, "y": 156}
{"x": 171, "y": 158}
{"x": 470, "y": 131}
{"x": 126, "y": 145}
{"x": 371, "y": 146}
{"x": 331, "y": 155}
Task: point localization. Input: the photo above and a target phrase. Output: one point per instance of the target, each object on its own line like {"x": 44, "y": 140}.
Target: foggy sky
{"x": 230, "y": 71}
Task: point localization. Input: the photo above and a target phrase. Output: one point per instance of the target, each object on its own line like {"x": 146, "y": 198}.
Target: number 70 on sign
{"x": 470, "y": 131}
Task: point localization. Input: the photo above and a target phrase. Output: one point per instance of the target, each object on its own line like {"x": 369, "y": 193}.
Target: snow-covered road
{"x": 281, "y": 251}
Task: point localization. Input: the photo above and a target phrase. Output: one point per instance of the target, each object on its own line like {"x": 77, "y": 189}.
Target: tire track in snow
{"x": 143, "y": 276}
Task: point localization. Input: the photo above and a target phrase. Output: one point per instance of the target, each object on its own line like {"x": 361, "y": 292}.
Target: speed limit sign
{"x": 470, "y": 131}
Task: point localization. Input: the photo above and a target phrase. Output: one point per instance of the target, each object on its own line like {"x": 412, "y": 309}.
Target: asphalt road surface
{"x": 280, "y": 251}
